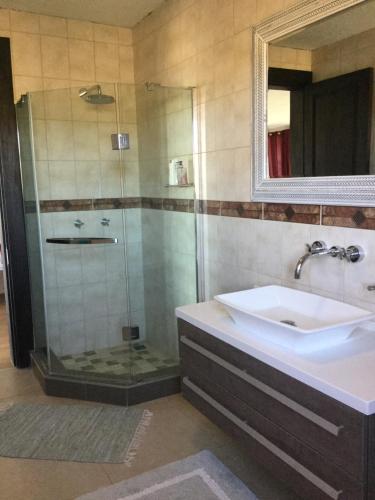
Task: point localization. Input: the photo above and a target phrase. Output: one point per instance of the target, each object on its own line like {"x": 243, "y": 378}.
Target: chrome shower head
{"x": 94, "y": 95}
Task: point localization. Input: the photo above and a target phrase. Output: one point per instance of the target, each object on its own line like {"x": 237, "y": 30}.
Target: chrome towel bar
{"x": 82, "y": 241}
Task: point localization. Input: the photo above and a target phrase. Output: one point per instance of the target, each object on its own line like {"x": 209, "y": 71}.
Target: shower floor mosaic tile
{"x": 141, "y": 359}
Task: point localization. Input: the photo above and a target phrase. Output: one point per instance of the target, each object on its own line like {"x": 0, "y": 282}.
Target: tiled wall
{"x": 86, "y": 288}
{"x": 85, "y": 285}
{"x": 207, "y": 44}
{"x": 165, "y": 131}
{"x": 287, "y": 58}
{"x": 52, "y": 52}
{"x": 72, "y": 139}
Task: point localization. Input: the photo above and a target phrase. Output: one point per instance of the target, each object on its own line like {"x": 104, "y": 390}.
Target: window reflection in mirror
{"x": 320, "y": 95}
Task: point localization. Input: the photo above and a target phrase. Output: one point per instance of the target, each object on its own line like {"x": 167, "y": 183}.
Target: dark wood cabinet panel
{"x": 330, "y": 409}
{"x": 329, "y": 447}
{"x": 346, "y": 449}
{"x": 295, "y": 480}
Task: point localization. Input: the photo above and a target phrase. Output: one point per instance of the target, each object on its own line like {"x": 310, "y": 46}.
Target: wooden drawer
{"x": 312, "y": 476}
{"x": 332, "y": 429}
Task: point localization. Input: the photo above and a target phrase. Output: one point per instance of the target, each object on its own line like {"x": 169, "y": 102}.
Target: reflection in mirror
{"x": 320, "y": 92}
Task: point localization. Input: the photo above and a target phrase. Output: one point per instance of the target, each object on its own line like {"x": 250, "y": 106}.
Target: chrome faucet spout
{"x": 317, "y": 248}
{"x": 300, "y": 263}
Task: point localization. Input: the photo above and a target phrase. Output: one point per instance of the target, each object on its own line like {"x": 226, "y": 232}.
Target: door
{"x": 337, "y": 125}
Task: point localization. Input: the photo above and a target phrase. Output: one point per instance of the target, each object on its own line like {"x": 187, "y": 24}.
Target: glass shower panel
{"x": 109, "y": 305}
{"x": 164, "y": 255}
{"x": 32, "y": 226}
{"x": 79, "y": 178}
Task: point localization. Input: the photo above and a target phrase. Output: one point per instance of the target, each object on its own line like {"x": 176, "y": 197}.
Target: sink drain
{"x": 288, "y": 322}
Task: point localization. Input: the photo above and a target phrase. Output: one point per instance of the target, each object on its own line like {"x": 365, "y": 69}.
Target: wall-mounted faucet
{"x": 353, "y": 253}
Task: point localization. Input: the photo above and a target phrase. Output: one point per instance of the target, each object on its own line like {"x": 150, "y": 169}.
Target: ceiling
{"x": 348, "y": 23}
{"x": 125, "y": 13}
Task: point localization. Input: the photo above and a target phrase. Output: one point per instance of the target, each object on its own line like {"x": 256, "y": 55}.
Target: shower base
{"x": 140, "y": 360}
{"x": 124, "y": 389}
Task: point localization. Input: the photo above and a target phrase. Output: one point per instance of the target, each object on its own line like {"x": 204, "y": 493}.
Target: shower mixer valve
{"x": 78, "y": 223}
{"x": 105, "y": 221}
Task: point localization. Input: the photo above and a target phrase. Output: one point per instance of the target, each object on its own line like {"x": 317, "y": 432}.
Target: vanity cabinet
{"x": 321, "y": 447}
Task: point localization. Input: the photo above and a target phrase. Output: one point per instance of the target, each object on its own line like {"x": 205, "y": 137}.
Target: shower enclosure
{"x": 111, "y": 242}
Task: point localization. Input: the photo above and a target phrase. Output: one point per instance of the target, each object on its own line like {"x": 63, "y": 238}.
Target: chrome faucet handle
{"x": 354, "y": 253}
{"x": 318, "y": 247}
{"x": 78, "y": 223}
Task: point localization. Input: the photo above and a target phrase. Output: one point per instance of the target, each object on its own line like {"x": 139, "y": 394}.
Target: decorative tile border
{"x": 79, "y": 205}
{"x": 171, "y": 204}
{"x": 283, "y": 212}
{"x": 357, "y": 217}
{"x": 341, "y": 216}
{"x": 241, "y": 209}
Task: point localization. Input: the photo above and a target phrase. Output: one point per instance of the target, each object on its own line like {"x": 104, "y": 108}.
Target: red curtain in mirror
{"x": 279, "y": 153}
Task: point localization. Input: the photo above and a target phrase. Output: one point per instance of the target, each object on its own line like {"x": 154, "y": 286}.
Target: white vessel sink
{"x": 301, "y": 321}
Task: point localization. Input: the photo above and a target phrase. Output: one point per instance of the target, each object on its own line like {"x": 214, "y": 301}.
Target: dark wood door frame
{"x": 13, "y": 222}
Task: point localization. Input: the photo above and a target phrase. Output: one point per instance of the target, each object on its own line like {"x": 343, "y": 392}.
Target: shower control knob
{"x": 105, "y": 221}
{"x": 78, "y": 223}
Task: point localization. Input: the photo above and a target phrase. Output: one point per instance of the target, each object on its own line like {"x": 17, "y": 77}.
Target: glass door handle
{"x": 82, "y": 241}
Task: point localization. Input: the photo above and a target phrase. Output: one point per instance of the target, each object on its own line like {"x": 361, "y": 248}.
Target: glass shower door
{"x": 161, "y": 237}
{"x": 79, "y": 182}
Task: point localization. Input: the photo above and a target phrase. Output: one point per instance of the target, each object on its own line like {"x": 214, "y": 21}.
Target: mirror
{"x": 320, "y": 93}
{"x": 314, "y": 109}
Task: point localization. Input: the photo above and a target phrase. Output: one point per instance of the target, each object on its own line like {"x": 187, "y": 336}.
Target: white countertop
{"x": 345, "y": 372}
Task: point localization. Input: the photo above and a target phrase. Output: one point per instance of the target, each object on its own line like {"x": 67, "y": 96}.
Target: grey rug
{"x": 199, "y": 477}
{"x": 79, "y": 433}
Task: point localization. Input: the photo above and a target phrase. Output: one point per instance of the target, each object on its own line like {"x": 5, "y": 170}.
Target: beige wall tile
{"x": 224, "y": 67}
{"x": 26, "y": 54}
{"x": 4, "y": 19}
{"x": 58, "y": 104}
{"x": 125, "y": 36}
{"x": 88, "y": 179}
{"x": 189, "y": 28}
{"x": 80, "y": 29}
{"x": 55, "y": 58}
{"x": 62, "y": 179}
{"x": 169, "y": 44}
{"x": 24, "y": 21}
{"x": 268, "y": 8}
{"x": 105, "y": 33}
{"x": 205, "y": 35}
{"x": 81, "y": 58}
{"x": 55, "y": 83}
{"x": 242, "y": 49}
{"x": 55, "y": 26}
{"x": 86, "y": 144}
{"x": 224, "y": 20}
{"x": 59, "y": 140}
{"x": 40, "y": 140}
{"x": 126, "y": 64}
{"x": 24, "y": 84}
{"x": 4, "y": 34}
{"x": 245, "y": 14}
{"x": 107, "y": 67}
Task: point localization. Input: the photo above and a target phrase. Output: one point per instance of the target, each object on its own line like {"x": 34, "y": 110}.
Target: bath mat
{"x": 77, "y": 433}
{"x": 199, "y": 477}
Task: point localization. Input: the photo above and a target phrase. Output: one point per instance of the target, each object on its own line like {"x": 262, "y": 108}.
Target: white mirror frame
{"x": 334, "y": 190}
